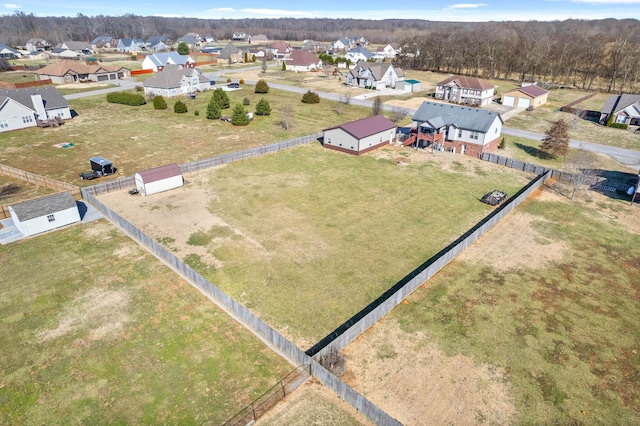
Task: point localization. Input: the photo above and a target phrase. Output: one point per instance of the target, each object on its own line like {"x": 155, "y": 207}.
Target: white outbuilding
{"x": 45, "y": 213}
{"x": 159, "y": 179}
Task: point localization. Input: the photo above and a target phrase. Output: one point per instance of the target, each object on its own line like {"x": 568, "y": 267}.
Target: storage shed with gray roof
{"x": 360, "y": 136}
{"x": 45, "y": 213}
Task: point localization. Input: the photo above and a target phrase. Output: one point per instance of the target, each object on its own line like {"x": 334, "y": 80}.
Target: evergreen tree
{"x": 556, "y": 141}
{"x": 221, "y": 98}
{"x": 183, "y": 49}
{"x": 180, "y": 107}
{"x": 261, "y": 87}
{"x": 239, "y": 116}
{"x": 284, "y": 66}
{"x": 213, "y": 110}
{"x": 159, "y": 103}
{"x": 310, "y": 97}
{"x": 263, "y": 107}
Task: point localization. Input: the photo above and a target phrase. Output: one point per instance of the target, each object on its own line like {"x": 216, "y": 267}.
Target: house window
{"x": 4, "y": 124}
{"x": 460, "y": 133}
{"x": 51, "y": 218}
{"x": 27, "y": 119}
{"x": 474, "y": 135}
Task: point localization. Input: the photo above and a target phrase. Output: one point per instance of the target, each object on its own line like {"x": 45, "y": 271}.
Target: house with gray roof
{"x": 37, "y": 44}
{"x": 104, "y": 42}
{"x": 45, "y": 213}
{"x": 175, "y": 80}
{"x": 360, "y": 136}
{"x": 375, "y": 75}
{"x": 22, "y": 108}
{"x": 8, "y": 52}
{"x": 80, "y": 47}
{"x": 131, "y": 45}
{"x": 158, "y": 61}
{"x": 230, "y": 55}
{"x": 191, "y": 40}
{"x": 342, "y": 44}
{"x": 624, "y": 108}
{"x": 455, "y": 128}
{"x": 357, "y": 54}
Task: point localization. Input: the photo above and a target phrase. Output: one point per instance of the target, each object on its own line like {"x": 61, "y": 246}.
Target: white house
{"x": 388, "y": 51}
{"x": 279, "y": 49}
{"x": 45, "y": 213}
{"x": 9, "y": 52}
{"x": 341, "y": 45}
{"x": 174, "y": 80}
{"x": 465, "y": 90}
{"x": 376, "y": 75}
{"x": 456, "y": 128}
{"x": 131, "y": 45}
{"x": 159, "y": 179}
{"x": 360, "y": 136}
{"x": 157, "y": 61}
{"x": 22, "y": 108}
{"x": 358, "y": 54}
{"x": 303, "y": 60}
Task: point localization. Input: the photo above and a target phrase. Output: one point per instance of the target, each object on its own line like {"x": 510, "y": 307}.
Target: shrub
{"x": 221, "y": 98}
{"x": 126, "y": 98}
{"x": 241, "y": 81}
{"x": 503, "y": 143}
{"x": 196, "y": 113}
{"x": 261, "y": 87}
{"x": 213, "y": 110}
{"x": 263, "y": 107}
{"x": 239, "y": 116}
{"x": 159, "y": 103}
{"x": 180, "y": 107}
{"x": 228, "y": 80}
{"x": 310, "y": 98}
{"x": 284, "y": 66}
{"x": 619, "y": 126}
{"x": 246, "y": 102}
{"x": 139, "y": 88}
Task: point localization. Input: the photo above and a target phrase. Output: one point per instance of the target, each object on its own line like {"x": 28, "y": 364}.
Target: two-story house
{"x": 456, "y": 128}
{"x": 374, "y": 75}
{"x": 465, "y": 90}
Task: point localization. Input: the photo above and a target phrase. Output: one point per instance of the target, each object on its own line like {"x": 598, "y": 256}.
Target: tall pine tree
{"x": 239, "y": 116}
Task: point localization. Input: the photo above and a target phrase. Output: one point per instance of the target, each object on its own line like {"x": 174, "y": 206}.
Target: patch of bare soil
{"x": 104, "y": 312}
{"x": 413, "y": 103}
{"x": 172, "y": 217}
{"x": 411, "y": 379}
{"x": 312, "y": 404}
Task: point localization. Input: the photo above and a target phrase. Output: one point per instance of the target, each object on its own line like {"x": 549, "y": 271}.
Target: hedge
{"x": 125, "y": 98}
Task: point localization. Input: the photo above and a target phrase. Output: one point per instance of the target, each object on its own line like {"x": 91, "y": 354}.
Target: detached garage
{"x": 44, "y": 214}
{"x": 159, "y": 179}
{"x": 530, "y": 96}
{"x": 360, "y": 136}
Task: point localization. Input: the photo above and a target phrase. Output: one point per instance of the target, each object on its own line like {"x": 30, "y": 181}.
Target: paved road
{"x": 627, "y": 157}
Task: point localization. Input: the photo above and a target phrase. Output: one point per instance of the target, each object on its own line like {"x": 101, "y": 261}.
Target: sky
{"x": 443, "y": 10}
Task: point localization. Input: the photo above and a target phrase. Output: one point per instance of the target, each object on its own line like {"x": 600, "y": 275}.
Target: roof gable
{"x": 463, "y": 117}
{"x": 467, "y": 82}
{"x": 171, "y": 76}
{"x": 367, "y": 126}
{"x": 159, "y": 173}
{"x": 42, "y": 206}
{"x": 303, "y": 58}
{"x": 51, "y": 98}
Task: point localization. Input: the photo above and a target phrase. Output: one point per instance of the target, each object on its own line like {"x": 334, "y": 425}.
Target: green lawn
{"x": 330, "y": 232}
{"x": 566, "y": 332}
{"x": 95, "y": 330}
{"x": 137, "y": 138}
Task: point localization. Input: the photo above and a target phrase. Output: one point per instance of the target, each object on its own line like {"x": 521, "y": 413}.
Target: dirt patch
{"x": 411, "y": 379}
{"x": 312, "y": 404}
{"x": 104, "y": 312}
{"x": 515, "y": 243}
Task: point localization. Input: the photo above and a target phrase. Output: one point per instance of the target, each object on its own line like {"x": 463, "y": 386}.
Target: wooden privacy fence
{"x": 128, "y": 182}
{"x": 37, "y": 180}
{"x": 595, "y": 181}
{"x": 244, "y": 316}
{"x": 359, "y": 323}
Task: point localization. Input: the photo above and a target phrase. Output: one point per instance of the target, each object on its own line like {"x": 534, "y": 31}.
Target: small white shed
{"x": 159, "y": 179}
{"x": 45, "y": 213}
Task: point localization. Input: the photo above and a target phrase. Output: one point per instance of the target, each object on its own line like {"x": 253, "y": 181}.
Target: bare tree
{"x": 334, "y": 361}
{"x": 347, "y": 97}
{"x": 287, "y": 117}
{"x": 264, "y": 65}
{"x": 398, "y": 114}
{"x": 582, "y": 167}
{"x": 376, "y": 106}
{"x": 8, "y": 190}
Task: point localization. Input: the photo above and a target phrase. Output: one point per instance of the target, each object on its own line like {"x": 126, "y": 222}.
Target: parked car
{"x": 233, "y": 85}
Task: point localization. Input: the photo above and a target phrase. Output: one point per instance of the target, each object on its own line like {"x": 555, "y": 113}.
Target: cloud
{"x": 466, "y": 6}
{"x": 10, "y": 6}
{"x": 222, "y": 9}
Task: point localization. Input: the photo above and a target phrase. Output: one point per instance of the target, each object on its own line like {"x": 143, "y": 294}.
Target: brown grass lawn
{"x": 136, "y": 138}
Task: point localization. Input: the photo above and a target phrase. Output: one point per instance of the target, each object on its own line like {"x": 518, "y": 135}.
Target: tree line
{"x": 589, "y": 54}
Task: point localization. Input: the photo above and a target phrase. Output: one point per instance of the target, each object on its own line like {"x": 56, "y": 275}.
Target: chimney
{"x": 38, "y": 105}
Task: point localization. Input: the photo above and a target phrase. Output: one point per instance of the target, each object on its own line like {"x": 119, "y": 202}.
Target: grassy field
{"x": 136, "y": 138}
{"x": 565, "y": 331}
{"x": 308, "y": 237}
{"x": 87, "y": 342}
{"x": 26, "y": 190}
